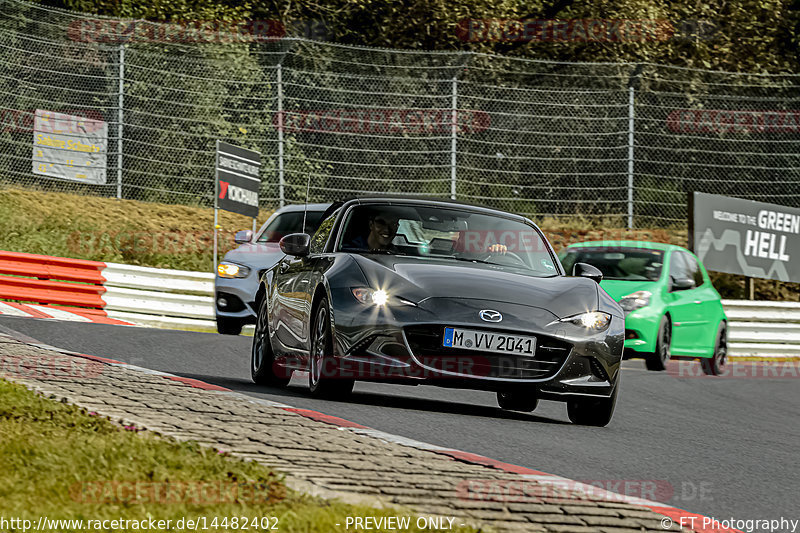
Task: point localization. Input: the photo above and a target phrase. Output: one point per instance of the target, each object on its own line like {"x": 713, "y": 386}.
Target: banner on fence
{"x": 70, "y": 147}
{"x": 744, "y": 237}
{"x": 238, "y": 179}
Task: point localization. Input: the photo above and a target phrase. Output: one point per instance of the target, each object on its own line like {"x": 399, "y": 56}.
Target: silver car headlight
{"x": 226, "y": 269}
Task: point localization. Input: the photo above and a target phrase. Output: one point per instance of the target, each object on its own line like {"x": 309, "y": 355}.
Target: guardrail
{"x": 763, "y": 329}
{"x": 183, "y": 299}
{"x": 160, "y": 297}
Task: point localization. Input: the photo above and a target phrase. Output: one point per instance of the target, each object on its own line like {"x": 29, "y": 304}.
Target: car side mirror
{"x": 586, "y": 270}
{"x": 295, "y": 244}
{"x": 681, "y": 284}
{"x": 243, "y": 236}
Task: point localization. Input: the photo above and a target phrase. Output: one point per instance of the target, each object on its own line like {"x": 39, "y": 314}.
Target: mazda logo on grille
{"x": 490, "y": 315}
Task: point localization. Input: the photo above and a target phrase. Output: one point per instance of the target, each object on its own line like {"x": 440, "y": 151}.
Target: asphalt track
{"x": 726, "y": 447}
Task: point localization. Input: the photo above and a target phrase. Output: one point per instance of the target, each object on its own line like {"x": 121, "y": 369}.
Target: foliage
{"x": 752, "y": 35}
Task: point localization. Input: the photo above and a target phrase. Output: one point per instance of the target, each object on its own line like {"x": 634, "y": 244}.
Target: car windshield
{"x": 621, "y": 263}
{"x": 291, "y": 222}
{"x": 451, "y": 234}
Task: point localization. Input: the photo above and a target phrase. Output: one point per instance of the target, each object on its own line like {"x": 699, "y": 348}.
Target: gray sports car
{"x": 238, "y": 272}
{"x": 421, "y": 291}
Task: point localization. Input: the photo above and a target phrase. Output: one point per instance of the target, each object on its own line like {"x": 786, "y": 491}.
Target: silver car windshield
{"x": 447, "y": 234}
{"x": 292, "y": 222}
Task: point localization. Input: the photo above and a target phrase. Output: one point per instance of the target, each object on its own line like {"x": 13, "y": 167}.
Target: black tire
{"x": 323, "y": 380}
{"x": 229, "y": 326}
{"x": 715, "y": 365}
{"x": 593, "y": 412}
{"x": 262, "y": 359}
{"x": 524, "y": 401}
{"x": 658, "y": 359}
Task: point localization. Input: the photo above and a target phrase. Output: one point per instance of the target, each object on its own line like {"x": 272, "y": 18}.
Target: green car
{"x": 671, "y": 307}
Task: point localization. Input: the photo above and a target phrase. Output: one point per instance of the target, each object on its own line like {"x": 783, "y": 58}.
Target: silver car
{"x": 239, "y": 271}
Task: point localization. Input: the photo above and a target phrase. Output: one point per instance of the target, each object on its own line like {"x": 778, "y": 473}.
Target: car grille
{"x": 426, "y": 346}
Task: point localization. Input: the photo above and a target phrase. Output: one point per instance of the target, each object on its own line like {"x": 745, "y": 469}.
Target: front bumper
{"x": 641, "y": 329}
{"x": 239, "y": 294}
{"x": 401, "y": 343}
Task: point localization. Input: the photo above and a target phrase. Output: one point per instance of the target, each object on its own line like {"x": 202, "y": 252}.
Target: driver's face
{"x": 384, "y": 228}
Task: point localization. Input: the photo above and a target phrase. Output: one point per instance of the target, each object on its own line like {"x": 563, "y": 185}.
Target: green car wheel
{"x": 658, "y": 359}
{"x": 715, "y": 365}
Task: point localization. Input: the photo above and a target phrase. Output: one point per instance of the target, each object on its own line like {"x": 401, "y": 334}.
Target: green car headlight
{"x": 635, "y": 300}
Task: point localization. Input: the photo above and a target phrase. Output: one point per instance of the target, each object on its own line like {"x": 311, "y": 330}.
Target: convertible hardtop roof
{"x": 291, "y": 208}
{"x": 397, "y": 199}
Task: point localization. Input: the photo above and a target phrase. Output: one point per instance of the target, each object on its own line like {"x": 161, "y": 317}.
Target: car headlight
{"x": 595, "y": 320}
{"x": 231, "y": 270}
{"x": 371, "y": 296}
{"x": 635, "y": 300}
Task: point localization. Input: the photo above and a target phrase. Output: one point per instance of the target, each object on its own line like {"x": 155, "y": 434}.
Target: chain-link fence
{"x": 624, "y": 141}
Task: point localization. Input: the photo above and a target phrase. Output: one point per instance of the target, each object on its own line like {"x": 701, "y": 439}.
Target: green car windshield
{"x": 631, "y": 264}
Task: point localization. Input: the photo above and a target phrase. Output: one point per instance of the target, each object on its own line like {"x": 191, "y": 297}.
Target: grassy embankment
{"x": 176, "y": 236}
{"x": 60, "y": 462}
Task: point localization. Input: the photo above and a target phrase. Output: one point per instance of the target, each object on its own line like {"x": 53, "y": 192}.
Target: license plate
{"x": 484, "y": 341}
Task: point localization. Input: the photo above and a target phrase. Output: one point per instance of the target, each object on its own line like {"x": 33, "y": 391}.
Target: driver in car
{"x": 382, "y": 230}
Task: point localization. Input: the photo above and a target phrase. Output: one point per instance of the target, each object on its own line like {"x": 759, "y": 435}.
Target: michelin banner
{"x": 745, "y": 237}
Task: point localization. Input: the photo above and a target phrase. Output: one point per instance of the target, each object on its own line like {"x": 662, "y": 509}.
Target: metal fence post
{"x": 453, "y": 138}
{"x": 120, "y": 117}
{"x": 281, "y": 178}
{"x": 631, "y": 116}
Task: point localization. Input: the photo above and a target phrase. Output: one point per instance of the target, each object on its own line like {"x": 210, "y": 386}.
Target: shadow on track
{"x": 364, "y": 398}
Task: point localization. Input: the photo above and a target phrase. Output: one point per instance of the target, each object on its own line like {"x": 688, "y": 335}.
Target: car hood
{"x": 417, "y": 280}
{"x": 261, "y": 255}
{"x": 617, "y": 288}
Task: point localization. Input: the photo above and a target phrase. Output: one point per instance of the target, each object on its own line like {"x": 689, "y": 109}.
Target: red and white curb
{"x": 672, "y": 515}
{"x": 68, "y": 314}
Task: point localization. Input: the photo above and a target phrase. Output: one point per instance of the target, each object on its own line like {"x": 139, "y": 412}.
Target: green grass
{"x": 180, "y": 237}
{"x": 61, "y": 462}
{"x": 121, "y": 231}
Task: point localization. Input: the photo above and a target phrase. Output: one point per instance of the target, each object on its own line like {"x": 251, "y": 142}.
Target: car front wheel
{"x": 592, "y": 411}
{"x": 323, "y": 373}
{"x": 262, "y": 359}
{"x": 658, "y": 359}
{"x": 229, "y": 326}
{"x": 715, "y": 365}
